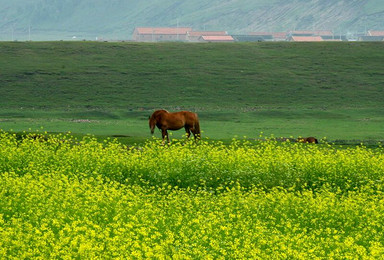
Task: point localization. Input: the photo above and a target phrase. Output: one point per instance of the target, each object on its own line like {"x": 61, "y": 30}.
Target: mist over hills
{"x": 116, "y": 19}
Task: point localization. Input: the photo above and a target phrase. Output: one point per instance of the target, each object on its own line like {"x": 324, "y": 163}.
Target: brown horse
{"x": 165, "y": 121}
{"x": 311, "y": 140}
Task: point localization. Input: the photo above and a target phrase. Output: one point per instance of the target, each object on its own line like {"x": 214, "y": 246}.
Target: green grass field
{"x": 77, "y": 196}
{"x": 332, "y": 90}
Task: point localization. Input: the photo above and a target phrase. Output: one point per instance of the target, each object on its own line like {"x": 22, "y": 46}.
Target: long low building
{"x": 184, "y": 34}
{"x": 194, "y": 36}
{"x": 305, "y": 39}
{"x": 159, "y": 34}
{"x": 216, "y": 38}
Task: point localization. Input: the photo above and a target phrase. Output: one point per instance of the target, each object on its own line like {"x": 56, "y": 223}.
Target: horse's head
{"x": 156, "y": 119}
{"x": 152, "y": 123}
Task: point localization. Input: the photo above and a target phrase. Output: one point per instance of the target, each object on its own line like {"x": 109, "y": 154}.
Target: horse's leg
{"x": 188, "y": 131}
{"x": 164, "y": 134}
{"x": 194, "y": 132}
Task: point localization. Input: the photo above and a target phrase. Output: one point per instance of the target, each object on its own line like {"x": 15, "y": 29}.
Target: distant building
{"x": 218, "y": 38}
{"x": 305, "y": 39}
{"x": 248, "y": 38}
{"x": 260, "y": 36}
{"x": 159, "y": 34}
{"x": 372, "y": 36}
{"x": 335, "y": 38}
{"x": 279, "y": 36}
{"x": 311, "y": 33}
{"x": 270, "y": 36}
{"x": 186, "y": 34}
{"x": 375, "y": 33}
{"x": 194, "y": 36}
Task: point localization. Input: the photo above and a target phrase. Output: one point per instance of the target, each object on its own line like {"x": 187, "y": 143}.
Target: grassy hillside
{"x": 116, "y": 19}
{"x": 231, "y": 76}
{"x": 324, "y": 89}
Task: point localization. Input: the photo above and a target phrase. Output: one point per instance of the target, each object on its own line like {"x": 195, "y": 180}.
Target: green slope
{"x": 127, "y": 75}
{"x": 277, "y": 88}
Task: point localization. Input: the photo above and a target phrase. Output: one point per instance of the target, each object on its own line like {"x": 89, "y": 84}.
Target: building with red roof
{"x": 194, "y": 36}
{"x": 311, "y": 33}
{"x": 375, "y": 33}
{"x": 305, "y": 39}
{"x": 158, "y": 34}
{"x": 271, "y": 36}
{"x": 217, "y": 38}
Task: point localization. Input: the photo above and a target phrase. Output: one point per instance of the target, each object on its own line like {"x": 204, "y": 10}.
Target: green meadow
{"x": 332, "y": 89}
{"x": 233, "y": 195}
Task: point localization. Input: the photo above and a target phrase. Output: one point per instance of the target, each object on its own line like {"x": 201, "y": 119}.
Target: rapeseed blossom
{"x": 68, "y": 198}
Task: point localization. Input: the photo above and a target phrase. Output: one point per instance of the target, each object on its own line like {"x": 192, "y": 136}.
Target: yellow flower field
{"x": 65, "y": 198}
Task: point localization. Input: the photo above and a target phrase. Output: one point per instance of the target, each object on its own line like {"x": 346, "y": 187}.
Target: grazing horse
{"x": 311, "y": 140}
{"x": 165, "y": 121}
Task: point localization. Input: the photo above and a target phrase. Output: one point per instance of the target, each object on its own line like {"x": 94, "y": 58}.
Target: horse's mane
{"x": 161, "y": 111}
{"x": 157, "y": 113}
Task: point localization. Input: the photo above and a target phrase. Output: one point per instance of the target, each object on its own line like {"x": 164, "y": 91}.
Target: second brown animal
{"x": 311, "y": 140}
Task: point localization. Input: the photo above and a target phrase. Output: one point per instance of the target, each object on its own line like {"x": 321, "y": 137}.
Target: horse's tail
{"x": 197, "y": 128}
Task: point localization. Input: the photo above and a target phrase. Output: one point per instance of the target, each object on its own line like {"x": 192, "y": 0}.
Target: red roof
{"x": 275, "y": 35}
{"x": 307, "y": 39}
{"x": 319, "y": 33}
{"x": 219, "y": 38}
{"x": 206, "y": 33}
{"x": 323, "y": 33}
{"x": 163, "y": 30}
{"x": 279, "y": 35}
{"x": 376, "y": 33}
